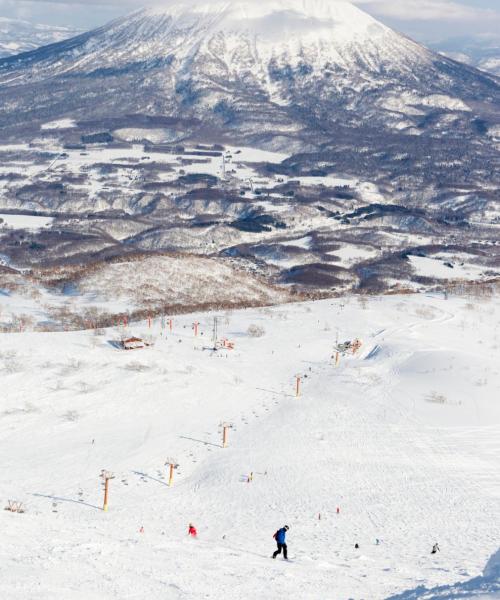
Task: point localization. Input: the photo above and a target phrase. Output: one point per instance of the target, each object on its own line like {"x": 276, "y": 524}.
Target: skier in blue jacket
{"x": 280, "y": 537}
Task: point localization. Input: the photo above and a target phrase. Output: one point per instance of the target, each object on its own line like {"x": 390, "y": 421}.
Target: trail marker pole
{"x": 106, "y": 476}
{"x": 337, "y": 359}
{"x": 172, "y": 464}
{"x": 215, "y": 332}
{"x": 170, "y": 324}
{"x": 297, "y": 386}
{"x": 149, "y": 322}
{"x": 195, "y": 328}
{"x": 225, "y": 429}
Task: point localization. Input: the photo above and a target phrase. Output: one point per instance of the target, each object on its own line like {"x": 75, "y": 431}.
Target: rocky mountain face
{"x": 21, "y": 36}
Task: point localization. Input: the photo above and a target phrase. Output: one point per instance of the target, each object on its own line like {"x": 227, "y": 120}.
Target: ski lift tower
{"x": 215, "y": 332}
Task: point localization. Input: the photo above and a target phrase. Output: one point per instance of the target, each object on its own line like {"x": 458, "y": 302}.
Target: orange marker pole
{"x": 297, "y": 390}
{"x": 170, "y": 324}
{"x": 195, "y": 327}
{"x": 106, "y": 494}
{"x": 171, "y": 476}
{"x": 337, "y": 359}
{"x": 224, "y": 436}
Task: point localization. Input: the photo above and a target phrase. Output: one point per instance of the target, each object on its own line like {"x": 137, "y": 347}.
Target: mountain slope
{"x": 21, "y": 36}
{"x": 287, "y": 67}
{"x": 403, "y": 438}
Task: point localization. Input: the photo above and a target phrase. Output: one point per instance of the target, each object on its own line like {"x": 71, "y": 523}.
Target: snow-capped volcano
{"x": 281, "y": 67}
{"x": 240, "y": 36}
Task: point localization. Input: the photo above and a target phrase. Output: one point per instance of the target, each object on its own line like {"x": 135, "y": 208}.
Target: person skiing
{"x": 435, "y": 549}
{"x": 280, "y": 537}
{"x": 192, "y": 530}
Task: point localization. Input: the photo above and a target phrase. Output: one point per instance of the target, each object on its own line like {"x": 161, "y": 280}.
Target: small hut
{"x": 133, "y": 343}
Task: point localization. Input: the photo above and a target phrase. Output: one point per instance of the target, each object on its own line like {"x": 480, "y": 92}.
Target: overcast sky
{"x": 426, "y": 20}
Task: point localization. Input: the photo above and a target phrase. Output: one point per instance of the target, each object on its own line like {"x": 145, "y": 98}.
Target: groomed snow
{"x": 391, "y": 437}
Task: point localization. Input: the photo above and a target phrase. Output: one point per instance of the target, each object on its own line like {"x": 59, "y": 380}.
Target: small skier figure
{"x": 435, "y": 549}
{"x": 356, "y": 546}
{"x": 192, "y": 530}
{"x": 280, "y": 537}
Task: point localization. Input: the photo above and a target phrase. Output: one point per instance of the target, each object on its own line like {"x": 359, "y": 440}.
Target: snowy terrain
{"x": 235, "y": 130}
{"x": 442, "y": 268}
{"x": 18, "y": 36}
{"x": 404, "y": 438}
{"x": 147, "y": 283}
{"x": 23, "y": 221}
{"x": 480, "y": 51}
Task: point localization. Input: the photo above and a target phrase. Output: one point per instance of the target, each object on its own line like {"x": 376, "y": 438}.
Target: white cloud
{"x": 402, "y": 9}
{"x": 421, "y": 19}
{"x": 428, "y": 10}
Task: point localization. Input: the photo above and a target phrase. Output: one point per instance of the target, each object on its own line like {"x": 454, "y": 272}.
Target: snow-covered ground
{"x": 240, "y": 165}
{"x": 404, "y": 439}
{"x": 59, "y": 124}
{"x": 349, "y": 254}
{"x": 447, "y": 269}
{"x": 24, "y": 221}
{"x": 125, "y": 286}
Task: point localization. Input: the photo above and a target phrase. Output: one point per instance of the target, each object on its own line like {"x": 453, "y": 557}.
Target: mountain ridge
{"x": 18, "y": 36}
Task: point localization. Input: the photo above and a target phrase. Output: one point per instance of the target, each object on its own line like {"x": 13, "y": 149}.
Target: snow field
{"x": 436, "y": 268}
{"x": 368, "y": 437}
{"x": 24, "y": 221}
{"x": 59, "y": 124}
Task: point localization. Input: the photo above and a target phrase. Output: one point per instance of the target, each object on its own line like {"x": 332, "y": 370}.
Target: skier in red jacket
{"x": 192, "y": 530}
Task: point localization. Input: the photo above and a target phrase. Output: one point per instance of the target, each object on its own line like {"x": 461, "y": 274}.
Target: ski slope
{"x": 404, "y": 438}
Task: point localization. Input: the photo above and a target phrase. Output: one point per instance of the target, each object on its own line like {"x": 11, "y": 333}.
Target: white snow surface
{"x": 22, "y": 36}
{"x": 59, "y": 124}
{"x": 433, "y": 267}
{"x": 19, "y": 221}
{"x": 350, "y": 254}
{"x": 408, "y": 103}
{"x": 407, "y": 450}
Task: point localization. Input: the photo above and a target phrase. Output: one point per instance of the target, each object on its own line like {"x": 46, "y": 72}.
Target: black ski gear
{"x": 281, "y": 547}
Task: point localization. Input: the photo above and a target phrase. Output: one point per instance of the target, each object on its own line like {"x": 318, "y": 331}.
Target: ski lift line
{"x": 60, "y": 155}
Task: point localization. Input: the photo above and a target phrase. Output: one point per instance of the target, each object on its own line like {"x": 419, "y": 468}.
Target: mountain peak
{"x": 256, "y": 9}
{"x": 245, "y": 64}
{"x": 275, "y": 18}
